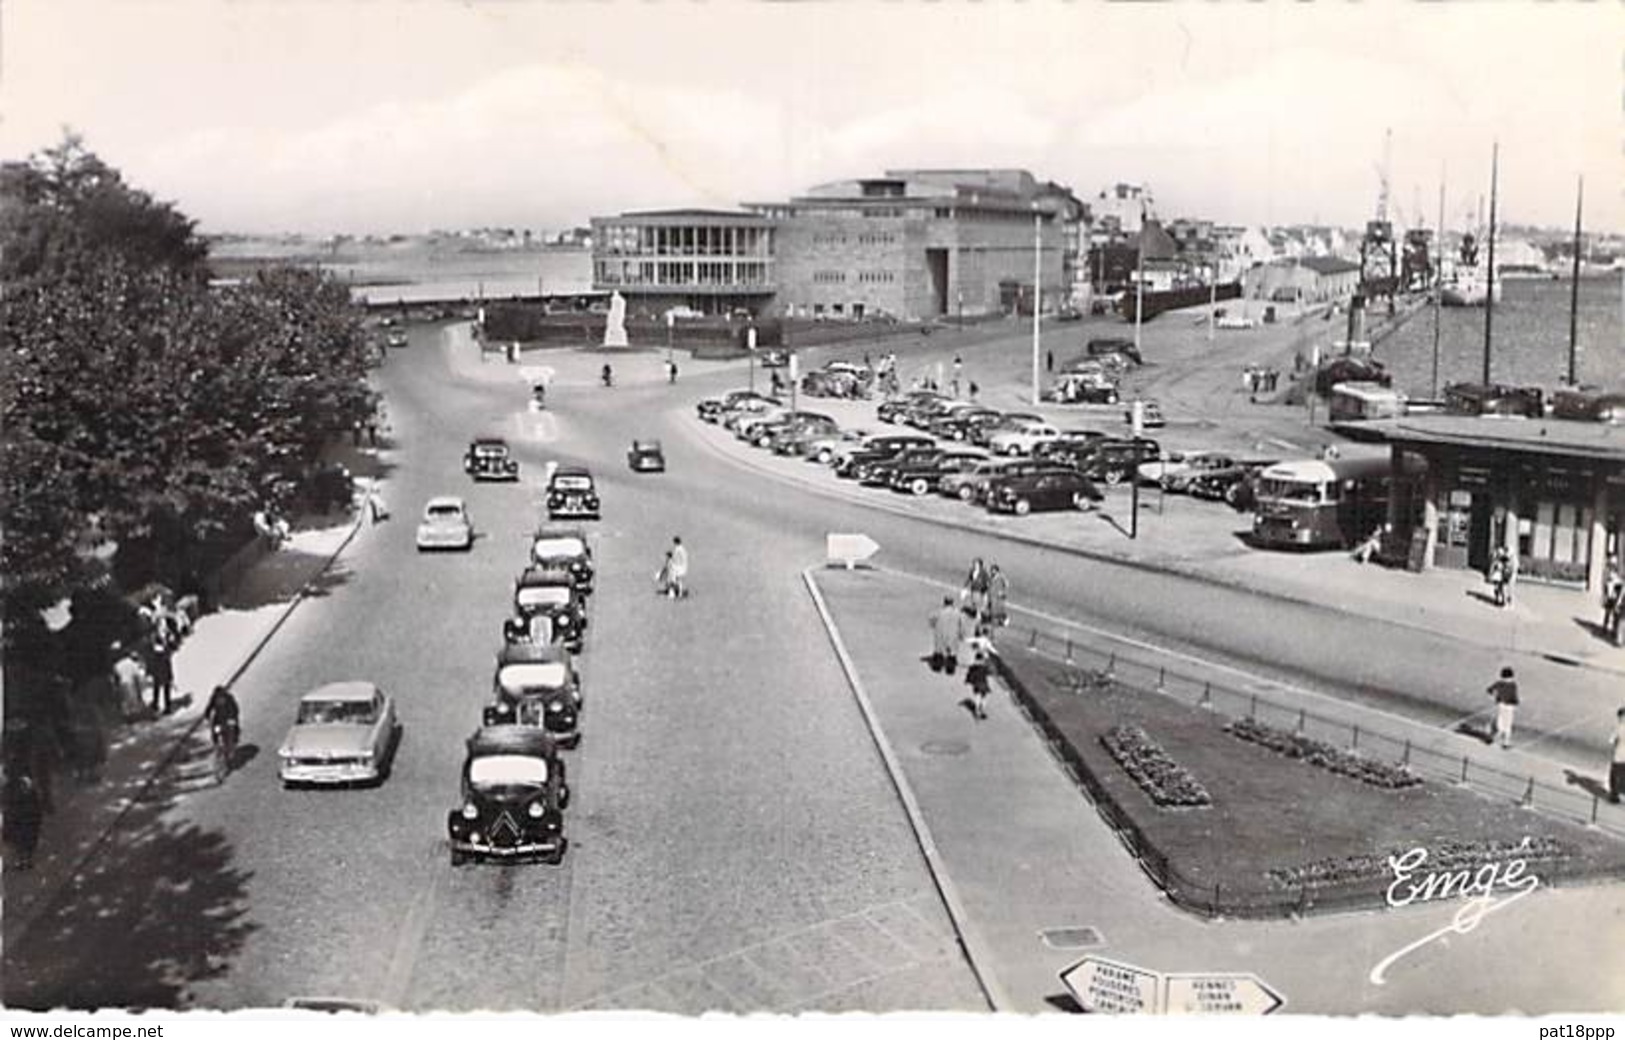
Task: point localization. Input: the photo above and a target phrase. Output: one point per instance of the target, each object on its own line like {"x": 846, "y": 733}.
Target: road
{"x": 735, "y": 840}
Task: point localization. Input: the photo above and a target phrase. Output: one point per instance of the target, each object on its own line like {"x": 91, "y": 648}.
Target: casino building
{"x": 912, "y": 245}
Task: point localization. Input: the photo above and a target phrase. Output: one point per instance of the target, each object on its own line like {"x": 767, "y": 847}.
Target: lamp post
{"x": 671, "y": 322}
{"x": 1038, "y": 271}
{"x": 1212, "y": 300}
{"x": 750, "y": 348}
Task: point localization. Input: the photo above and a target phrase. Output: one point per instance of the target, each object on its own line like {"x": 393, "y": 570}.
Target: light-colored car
{"x": 1022, "y": 439}
{"x": 445, "y": 525}
{"x": 823, "y": 449}
{"x": 1177, "y": 470}
{"x": 1150, "y": 415}
{"x": 345, "y": 733}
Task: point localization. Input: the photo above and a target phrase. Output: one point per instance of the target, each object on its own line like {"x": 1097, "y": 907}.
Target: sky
{"x": 372, "y": 116}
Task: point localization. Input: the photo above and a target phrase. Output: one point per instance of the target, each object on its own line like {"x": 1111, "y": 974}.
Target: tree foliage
{"x": 133, "y": 396}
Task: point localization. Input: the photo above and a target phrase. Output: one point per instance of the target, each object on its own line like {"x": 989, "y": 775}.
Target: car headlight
{"x": 555, "y": 707}
{"x": 565, "y": 621}
{"x": 535, "y": 810}
{"x": 470, "y": 812}
{"x": 505, "y": 708}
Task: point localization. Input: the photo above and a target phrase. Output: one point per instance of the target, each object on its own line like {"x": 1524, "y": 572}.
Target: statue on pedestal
{"x": 615, "y": 325}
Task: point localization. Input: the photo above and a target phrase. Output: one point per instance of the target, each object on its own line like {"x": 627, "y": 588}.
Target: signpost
{"x": 1103, "y": 986}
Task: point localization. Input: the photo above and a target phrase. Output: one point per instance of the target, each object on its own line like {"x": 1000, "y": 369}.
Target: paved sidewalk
{"x": 1202, "y": 539}
{"x": 1025, "y": 851}
{"x": 220, "y": 647}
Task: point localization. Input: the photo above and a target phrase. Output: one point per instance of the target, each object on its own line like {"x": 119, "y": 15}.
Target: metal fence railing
{"x": 1087, "y": 665}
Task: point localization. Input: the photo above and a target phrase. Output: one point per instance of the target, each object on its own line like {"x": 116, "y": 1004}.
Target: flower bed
{"x": 1165, "y": 782}
{"x": 1326, "y": 756}
{"x": 1447, "y": 856}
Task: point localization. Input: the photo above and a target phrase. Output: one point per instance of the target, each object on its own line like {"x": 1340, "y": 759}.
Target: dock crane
{"x": 1378, "y": 263}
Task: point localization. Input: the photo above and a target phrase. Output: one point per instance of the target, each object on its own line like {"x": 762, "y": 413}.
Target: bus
{"x": 1321, "y": 503}
{"x": 1365, "y": 400}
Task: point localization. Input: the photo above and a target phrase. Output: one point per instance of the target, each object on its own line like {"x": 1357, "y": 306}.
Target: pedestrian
{"x": 679, "y": 569}
{"x": 1611, "y": 586}
{"x": 998, "y": 593}
{"x": 1505, "y": 692}
{"x": 161, "y": 666}
{"x": 1503, "y": 575}
{"x": 88, "y": 738}
{"x": 671, "y": 373}
{"x": 959, "y": 370}
{"x": 376, "y": 509}
{"x": 866, "y": 365}
{"x": 1619, "y": 614}
{"x": 1368, "y": 548}
{"x": 355, "y": 433}
{"x": 974, "y": 596}
{"x": 130, "y": 681}
{"x": 1616, "y": 768}
{"x": 979, "y": 649}
{"x": 24, "y": 815}
{"x": 946, "y": 634}
{"x": 974, "y": 390}
{"x": 1049, "y": 361}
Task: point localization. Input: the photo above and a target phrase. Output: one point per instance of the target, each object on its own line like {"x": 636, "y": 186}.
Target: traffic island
{"x": 1289, "y": 824}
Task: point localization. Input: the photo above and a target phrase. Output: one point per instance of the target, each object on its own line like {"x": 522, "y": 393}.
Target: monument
{"x": 615, "y": 324}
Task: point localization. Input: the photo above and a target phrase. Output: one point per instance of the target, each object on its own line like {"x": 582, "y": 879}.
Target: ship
{"x": 1469, "y": 284}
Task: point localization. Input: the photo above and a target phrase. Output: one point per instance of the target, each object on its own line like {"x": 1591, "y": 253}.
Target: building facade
{"x": 1551, "y": 490}
{"x": 707, "y": 261}
{"x": 922, "y": 244}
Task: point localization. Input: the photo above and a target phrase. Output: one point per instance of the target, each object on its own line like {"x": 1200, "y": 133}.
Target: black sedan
{"x": 1041, "y": 491}
{"x": 571, "y": 493}
{"x": 513, "y": 798}
{"x": 646, "y": 457}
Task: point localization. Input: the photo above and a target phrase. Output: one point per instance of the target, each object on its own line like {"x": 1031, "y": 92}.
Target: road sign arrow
{"x": 848, "y": 550}
{"x": 1220, "y": 994}
{"x": 1111, "y": 987}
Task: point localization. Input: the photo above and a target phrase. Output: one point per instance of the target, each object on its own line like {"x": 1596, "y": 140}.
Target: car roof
{"x": 532, "y": 653}
{"x": 349, "y": 690}
{"x": 443, "y": 501}
{"x": 492, "y": 441}
{"x": 561, "y": 531}
{"x": 531, "y": 741}
{"x": 646, "y": 444}
{"x": 572, "y": 471}
{"x": 539, "y": 575}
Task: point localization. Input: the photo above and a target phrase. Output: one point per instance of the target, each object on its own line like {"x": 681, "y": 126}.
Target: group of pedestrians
{"x": 1257, "y": 380}
{"x": 962, "y": 629}
{"x": 672, "y": 578}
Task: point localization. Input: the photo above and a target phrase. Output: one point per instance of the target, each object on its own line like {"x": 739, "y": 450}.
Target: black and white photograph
{"x": 1007, "y": 509}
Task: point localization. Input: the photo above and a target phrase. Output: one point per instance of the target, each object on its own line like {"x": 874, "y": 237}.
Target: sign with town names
{"x": 1219, "y": 994}
{"x": 1108, "y": 987}
{"x": 1103, "y": 986}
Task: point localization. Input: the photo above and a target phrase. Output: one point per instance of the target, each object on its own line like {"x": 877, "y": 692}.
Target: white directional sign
{"x": 848, "y": 550}
{"x": 1111, "y": 987}
{"x": 1220, "y": 994}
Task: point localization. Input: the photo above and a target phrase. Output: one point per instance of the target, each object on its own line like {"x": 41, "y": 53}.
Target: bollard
{"x": 1529, "y": 795}
{"x": 1407, "y": 759}
{"x": 1302, "y": 717}
{"x": 1252, "y": 707}
{"x": 1464, "y": 769}
{"x": 1111, "y": 664}
{"x": 1593, "y": 810}
{"x": 1356, "y": 743}
{"x": 1207, "y": 695}
{"x": 1069, "y": 650}
{"x": 1162, "y": 677}
{"x": 1032, "y": 642}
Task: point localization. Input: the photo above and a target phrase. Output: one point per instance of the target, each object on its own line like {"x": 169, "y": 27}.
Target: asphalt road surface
{"x": 735, "y": 841}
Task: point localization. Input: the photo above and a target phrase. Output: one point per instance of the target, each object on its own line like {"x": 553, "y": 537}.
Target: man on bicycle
{"x": 223, "y": 717}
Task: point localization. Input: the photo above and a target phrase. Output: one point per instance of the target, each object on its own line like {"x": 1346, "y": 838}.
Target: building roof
{"x": 1328, "y": 265}
{"x": 1563, "y": 437}
{"x": 687, "y": 214}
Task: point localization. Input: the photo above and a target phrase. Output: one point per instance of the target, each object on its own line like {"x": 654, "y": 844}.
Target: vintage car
{"x": 791, "y": 439}
{"x": 1175, "y": 471}
{"x": 646, "y": 457}
{"x": 1118, "y": 345}
{"x": 550, "y": 592}
{"x": 891, "y": 410}
{"x": 981, "y": 490}
{"x": 445, "y": 525}
{"x": 1114, "y": 461}
{"x": 397, "y": 339}
{"x": 1035, "y": 491}
{"x": 565, "y": 548}
{"x": 571, "y": 493}
{"x": 488, "y": 458}
{"x": 957, "y": 425}
{"x": 1234, "y": 486}
{"x": 712, "y": 408}
{"x": 879, "y": 473}
{"x": 822, "y": 448}
{"x": 514, "y": 794}
{"x": 877, "y": 449}
{"x": 750, "y": 409}
{"x": 762, "y": 433}
{"x": 1082, "y": 388}
{"x": 927, "y": 475}
{"x": 1150, "y": 415}
{"x": 344, "y": 733}
{"x": 1021, "y": 439}
{"x": 536, "y": 685}
{"x": 982, "y": 434}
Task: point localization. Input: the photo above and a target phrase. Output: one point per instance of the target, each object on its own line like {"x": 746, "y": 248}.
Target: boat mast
{"x": 1438, "y": 286}
{"x": 1489, "y": 291}
{"x": 1574, "y": 284}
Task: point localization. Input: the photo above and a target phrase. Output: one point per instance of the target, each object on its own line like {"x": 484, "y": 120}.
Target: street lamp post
{"x": 1038, "y": 273}
{"x": 750, "y": 348}
{"x": 671, "y": 321}
{"x": 1212, "y": 300}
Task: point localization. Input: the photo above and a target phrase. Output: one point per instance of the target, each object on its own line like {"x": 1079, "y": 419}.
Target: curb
{"x": 976, "y": 952}
{"x": 1145, "y": 566}
{"x": 167, "y": 759}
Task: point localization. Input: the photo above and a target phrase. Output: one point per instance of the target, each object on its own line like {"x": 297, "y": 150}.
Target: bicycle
{"x": 224, "y": 736}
